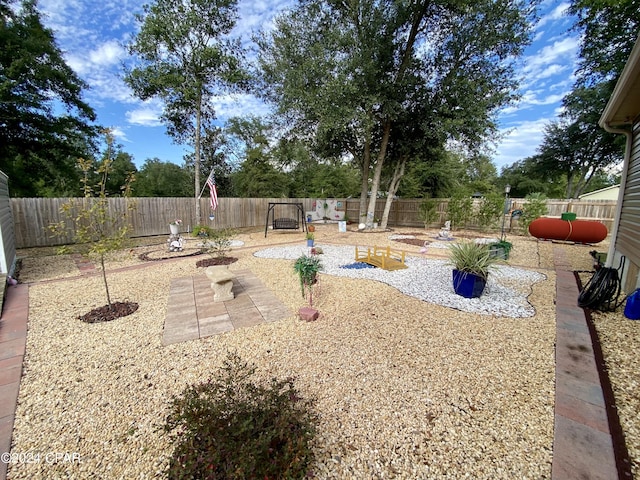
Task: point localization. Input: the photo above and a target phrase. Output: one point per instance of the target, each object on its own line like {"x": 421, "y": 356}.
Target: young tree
{"x": 96, "y": 227}
{"x": 355, "y": 72}
{"x": 186, "y": 56}
{"x": 39, "y": 143}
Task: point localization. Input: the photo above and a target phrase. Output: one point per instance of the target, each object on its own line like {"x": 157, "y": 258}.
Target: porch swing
{"x": 285, "y": 223}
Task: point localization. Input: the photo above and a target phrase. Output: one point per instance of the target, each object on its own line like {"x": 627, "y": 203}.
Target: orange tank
{"x": 579, "y": 231}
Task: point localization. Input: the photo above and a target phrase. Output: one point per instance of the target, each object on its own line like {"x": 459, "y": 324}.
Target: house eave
{"x": 624, "y": 105}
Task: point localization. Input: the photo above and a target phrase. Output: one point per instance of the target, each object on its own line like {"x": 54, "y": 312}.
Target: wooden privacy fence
{"x": 151, "y": 216}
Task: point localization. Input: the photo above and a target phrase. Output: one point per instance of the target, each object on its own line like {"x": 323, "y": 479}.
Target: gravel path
{"x": 405, "y": 388}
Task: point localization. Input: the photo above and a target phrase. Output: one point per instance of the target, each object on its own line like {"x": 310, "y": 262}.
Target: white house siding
{"x": 628, "y": 238}
{"x": 7, "y": 238}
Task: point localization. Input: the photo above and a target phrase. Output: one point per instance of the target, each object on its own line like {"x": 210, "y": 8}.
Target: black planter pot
{"x": 468, "y": 285}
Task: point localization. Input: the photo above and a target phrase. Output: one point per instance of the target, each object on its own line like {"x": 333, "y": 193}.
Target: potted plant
{"x": 500, "y": 249}
{"x": 310, "y": 238}
{"x": 471, "y": 264}
{"x": 174, "y": 226}
{"x": 307, "y": 268}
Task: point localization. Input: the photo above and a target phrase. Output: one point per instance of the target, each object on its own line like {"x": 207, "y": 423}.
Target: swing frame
{"x": 284, "y": 223}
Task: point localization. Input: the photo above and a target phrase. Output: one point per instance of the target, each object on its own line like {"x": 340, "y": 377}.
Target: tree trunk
{"x": 375, "y": 184}
{"x": 197, "y": 160}
{"x": 104, "y": 279}
{"x": 364, "y": 189}
{"x": 398, "y": 173}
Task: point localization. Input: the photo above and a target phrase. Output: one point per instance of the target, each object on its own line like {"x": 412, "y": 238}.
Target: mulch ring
{"x": 411, "y": 241}
{"x": 155, "y": 255}
{"x": 107, "y": 313}
{"x": 212, "y": 262}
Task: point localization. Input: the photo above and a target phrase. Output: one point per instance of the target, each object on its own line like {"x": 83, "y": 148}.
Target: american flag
{"x": 213, "y": 192}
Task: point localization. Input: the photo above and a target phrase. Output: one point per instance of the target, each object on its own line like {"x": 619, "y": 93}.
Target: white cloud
{"x": 147, "y": 115}
{"x": 228, "y": 106}
{"x": 552, "y": 70}
{"x": 119, "y": 134}
{"x": 561, "y": 52}
{"x": 520, "y": 140}
{"x": 558, "y": 13}
{"x": 107, "y": 54}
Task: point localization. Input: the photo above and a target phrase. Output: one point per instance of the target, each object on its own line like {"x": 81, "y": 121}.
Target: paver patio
{"x": 192, "y": 313}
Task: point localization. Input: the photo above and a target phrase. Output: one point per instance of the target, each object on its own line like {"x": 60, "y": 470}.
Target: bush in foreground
{"x": 232, "y": 428}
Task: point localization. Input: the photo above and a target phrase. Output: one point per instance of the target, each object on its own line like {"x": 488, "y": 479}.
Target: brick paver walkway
{"x": 583, "y": 446}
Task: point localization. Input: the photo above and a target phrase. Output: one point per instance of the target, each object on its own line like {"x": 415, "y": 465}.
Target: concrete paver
{"x": 583, "y": 445}
{"x": 192, "y": 313}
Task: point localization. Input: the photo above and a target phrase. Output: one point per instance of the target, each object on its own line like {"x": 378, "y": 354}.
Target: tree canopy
{"x": 185, "y": 56}
{"x": 39, "y": 141}
{"x": 358, "y": 74}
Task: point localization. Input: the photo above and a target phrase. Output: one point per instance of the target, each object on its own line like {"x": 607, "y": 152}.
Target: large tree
{"x": 608, "y": 30}
{"x": 576, "y": 146}
{"x": 258, "y": 175}
{"x": 39, "y": 141}
{"x": 358, "y": 73}
{"x": 185, "y": 56}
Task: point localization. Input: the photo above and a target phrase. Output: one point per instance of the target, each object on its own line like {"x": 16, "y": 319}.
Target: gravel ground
{"x": 405, "y": 388}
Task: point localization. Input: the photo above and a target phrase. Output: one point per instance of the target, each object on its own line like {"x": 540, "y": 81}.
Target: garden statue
{"x": 176, "y": 243}
{"x": 445, "y": 233}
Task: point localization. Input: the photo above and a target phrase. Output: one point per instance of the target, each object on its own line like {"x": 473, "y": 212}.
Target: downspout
{"x": 623, "y": 183}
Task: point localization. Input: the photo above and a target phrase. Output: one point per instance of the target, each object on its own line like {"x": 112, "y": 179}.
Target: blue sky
{"x": 91, "y": 34}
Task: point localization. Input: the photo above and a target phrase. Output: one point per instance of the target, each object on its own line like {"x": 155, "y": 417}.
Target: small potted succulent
{"x": 471, "y": 265}
{"x": 307, "y": 268}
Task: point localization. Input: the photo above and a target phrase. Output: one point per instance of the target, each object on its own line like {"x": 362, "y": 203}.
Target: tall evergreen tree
{"x": 38, "y": 145}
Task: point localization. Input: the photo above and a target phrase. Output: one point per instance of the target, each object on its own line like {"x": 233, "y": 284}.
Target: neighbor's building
{"x": 608, "y": 193}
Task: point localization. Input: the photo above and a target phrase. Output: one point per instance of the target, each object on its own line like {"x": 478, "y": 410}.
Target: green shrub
{"x": 219, "y": 241}
{"x": 428, "y": 211}
{"x": 459, "y": 210}
{"x": 201, "y": 231}
{"x": 232, "y": 428}
{"x": 535, "y": 207}
{"x": 489, "y": 210}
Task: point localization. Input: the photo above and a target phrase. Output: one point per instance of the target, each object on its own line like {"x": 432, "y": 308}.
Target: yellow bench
{"x": 381, "y": 257}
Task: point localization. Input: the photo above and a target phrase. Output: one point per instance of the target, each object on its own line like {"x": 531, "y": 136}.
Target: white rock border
{"x": 429, "y": 280}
